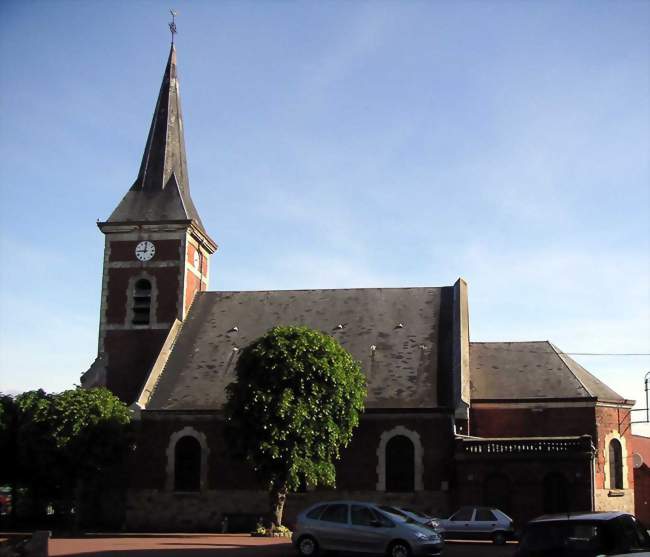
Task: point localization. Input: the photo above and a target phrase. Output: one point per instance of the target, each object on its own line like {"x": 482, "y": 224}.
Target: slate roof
{"x": 161, "y": 192}
{"x": 531, "y": 370}
{"x": 402, "y": 372}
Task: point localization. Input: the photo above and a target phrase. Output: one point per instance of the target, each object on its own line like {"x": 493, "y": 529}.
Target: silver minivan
{"x": 355, "y": 526}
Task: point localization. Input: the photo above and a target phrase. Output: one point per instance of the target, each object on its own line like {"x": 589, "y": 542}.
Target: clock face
{"x": 197, "y": 259}
{"x": 144, "y": 251}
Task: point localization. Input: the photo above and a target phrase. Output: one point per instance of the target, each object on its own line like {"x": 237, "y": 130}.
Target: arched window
{"x": 555, "y": 493}
{"x": 400, "y": 454}
{"x": 142, "y": 302}
{"x": 187, "y": 465}
{"x": 400, "y": 464}
{"x": 615, "y": 464}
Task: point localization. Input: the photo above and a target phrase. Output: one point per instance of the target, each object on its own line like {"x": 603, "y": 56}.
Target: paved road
{"x": 216, "y": 545}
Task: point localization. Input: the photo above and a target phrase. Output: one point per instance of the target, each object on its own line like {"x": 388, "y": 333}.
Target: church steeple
{"x": 164, "y": 153}
{"x": 161, "y": 191}
{"x": 156, "y": 254}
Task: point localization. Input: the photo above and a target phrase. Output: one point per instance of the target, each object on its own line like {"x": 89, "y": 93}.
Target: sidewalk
{"x": 172, "y": 545}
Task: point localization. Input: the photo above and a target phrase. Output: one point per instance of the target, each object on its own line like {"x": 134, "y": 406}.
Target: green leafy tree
{"x": 8, "y": 447}
{"x": 61, "y": 440}
{"x": 89, "y": 428}
{"x": 296, "y": 401}
{"x": 91, "y": 436}
{"x": 39, "y": 466}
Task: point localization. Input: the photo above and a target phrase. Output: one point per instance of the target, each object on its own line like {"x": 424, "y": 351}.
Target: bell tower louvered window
{"x": 142, "y": 302}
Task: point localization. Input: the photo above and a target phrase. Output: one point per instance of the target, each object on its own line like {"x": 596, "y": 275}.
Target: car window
{"x": 361, "y": 516}
{"x": 336, "y": 513}
{"x": 384, "y": 521}
{"x": 397, "y": 514}
{"x": 463, "y": 514}
{"x": 316, "y": 512}
{"x": 416, "y": 513}
{"x": 575, "y": 537}
{"x": 485, "y": 515}
{"x": 393, "y": 510}
{"x": 630, "y": 534}
{"x": 583, "y": 532}
{"x": 543, "y": 537}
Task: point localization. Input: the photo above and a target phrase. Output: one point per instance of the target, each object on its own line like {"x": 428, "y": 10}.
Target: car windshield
{"x": 396, "y": 514}
{"x": 416, "y": 513}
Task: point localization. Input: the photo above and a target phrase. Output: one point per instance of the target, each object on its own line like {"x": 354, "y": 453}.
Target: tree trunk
{"x": 76, "y": 505}
{"x": 278, "y": 497}
{"x": 14, "y": 503}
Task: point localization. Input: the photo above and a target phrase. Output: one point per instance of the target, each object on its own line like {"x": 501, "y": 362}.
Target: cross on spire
{"x": 172, "y": 24}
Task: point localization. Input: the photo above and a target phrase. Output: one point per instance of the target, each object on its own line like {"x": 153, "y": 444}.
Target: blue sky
{"x": 340, "y": 144}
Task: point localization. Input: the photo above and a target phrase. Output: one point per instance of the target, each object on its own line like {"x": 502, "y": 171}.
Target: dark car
{"x": 588, "y": 534}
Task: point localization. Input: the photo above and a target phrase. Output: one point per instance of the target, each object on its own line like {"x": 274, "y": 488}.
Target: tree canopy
{"x": 55, "y": 441}
{"x": 296, "y": 401}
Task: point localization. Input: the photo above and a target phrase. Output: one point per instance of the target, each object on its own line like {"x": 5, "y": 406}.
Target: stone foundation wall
{"x": 154, "y": 510}
{"x": 623, "y": 500}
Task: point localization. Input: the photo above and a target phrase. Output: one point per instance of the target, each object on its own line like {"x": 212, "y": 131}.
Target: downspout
{"x": 592, "y": 474}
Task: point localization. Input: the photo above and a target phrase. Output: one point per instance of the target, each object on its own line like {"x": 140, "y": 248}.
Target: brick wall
{"x": 131, "y": 353}
{"x": 613, "y": 422}
{"x": 166, "y": 301}
{"x": 231, "y": 487}
{"x": 642, "y": 494}
{"x": 124, "y": 250}
{"x": 524, "y": 497}
{"x": 641, "y": 446}
{"x": 505, "y": 421}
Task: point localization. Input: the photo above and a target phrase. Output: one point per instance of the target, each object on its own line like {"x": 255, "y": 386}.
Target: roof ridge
{"x": 509, "y": 341}
{"x": 327, "y": 289}
{"x": 154, "y": 388}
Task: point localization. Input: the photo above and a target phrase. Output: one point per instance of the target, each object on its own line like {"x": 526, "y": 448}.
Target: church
{"x": 448, "y": 421}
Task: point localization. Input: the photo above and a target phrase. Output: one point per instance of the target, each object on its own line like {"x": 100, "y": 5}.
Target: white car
{"x": 485, "y": 523}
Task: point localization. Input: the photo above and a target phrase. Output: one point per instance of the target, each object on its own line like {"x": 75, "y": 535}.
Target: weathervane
{"x": 172, "y": 24}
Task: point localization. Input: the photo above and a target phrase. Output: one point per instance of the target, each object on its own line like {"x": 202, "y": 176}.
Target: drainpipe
{"x": 592, "y": 474}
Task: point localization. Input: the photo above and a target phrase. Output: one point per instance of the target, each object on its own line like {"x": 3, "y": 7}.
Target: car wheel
{"x": 307, "y": 546}
{"x": 399, "y": 549}
{"x": 499, "y": 538}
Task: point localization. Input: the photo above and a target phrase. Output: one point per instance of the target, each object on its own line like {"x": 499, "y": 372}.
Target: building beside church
{"x": 518, "y": 425}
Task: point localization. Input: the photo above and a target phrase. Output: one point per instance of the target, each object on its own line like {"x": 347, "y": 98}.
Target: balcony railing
{"x": 541, "y": 446}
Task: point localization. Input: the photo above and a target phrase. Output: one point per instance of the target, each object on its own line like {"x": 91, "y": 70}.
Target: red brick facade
{"x": 541, "y": 420}
{"x": 131, "y": 355}
{"x": 129, "y": 349}
{"x": 641, "y": 447}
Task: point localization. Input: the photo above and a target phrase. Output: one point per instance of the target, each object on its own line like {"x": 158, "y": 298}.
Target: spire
{"x": 161, "y": 191}
{"x": 164, "y": 153}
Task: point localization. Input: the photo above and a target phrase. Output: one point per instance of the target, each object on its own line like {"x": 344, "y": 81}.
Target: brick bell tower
{"x": 156, "y": 255}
